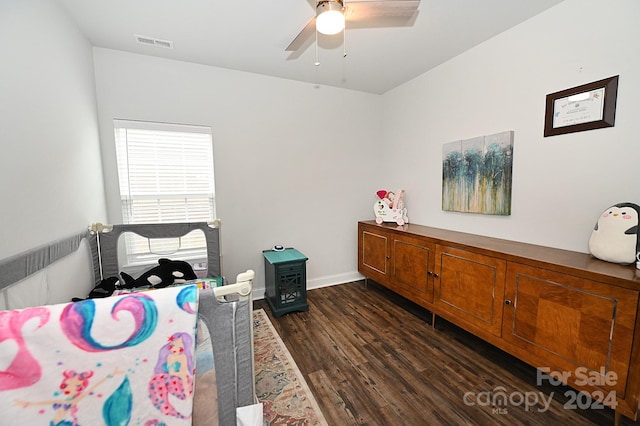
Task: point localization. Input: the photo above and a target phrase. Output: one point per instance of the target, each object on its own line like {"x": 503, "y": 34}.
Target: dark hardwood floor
{"x": 371, "y": 357}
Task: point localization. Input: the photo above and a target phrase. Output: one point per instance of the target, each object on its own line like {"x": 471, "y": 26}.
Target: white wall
{"x": 561, "y": 184}
{"x": 50, "y": 166}
{"x": 293, "y": 163}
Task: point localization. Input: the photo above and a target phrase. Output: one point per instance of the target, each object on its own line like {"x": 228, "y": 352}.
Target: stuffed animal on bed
{"x": 615, "y": 236}
{"x": 105, "y": 289}
{"x": 167, "y": 272}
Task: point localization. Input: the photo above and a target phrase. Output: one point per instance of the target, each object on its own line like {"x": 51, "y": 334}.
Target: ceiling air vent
{"x": 150, "y": 41}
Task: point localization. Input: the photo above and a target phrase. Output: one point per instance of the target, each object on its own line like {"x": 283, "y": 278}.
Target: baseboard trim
{"x": 326, "y": 281}
{"x": 330, "y": 280}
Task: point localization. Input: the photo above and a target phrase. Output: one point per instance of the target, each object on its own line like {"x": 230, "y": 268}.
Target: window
{"x": 165, "y": 173}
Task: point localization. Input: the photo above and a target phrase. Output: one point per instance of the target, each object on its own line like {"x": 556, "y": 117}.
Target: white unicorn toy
{"x": 390, "y": 207}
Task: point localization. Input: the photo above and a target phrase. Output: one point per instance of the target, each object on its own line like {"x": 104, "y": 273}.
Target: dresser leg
{"x": 617, "y": 419}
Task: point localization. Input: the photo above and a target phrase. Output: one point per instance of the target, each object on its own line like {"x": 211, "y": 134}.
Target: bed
{"x": 43, "y": 281}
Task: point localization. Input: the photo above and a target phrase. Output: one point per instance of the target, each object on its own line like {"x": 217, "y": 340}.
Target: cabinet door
{"x": 373, "y": 254}
{"x": 469, "y": 289}
{"x": 563, "y": 322}
{"x": 413, "y": 266}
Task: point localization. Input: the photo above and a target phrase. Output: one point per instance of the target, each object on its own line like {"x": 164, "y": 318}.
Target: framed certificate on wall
{"x": 586, "y": 107}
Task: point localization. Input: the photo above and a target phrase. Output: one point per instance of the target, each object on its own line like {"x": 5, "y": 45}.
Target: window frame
{"x": 167, "y": 135}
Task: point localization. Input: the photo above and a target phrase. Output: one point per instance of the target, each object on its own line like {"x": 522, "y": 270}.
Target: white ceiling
{"x": 252, "y": 35}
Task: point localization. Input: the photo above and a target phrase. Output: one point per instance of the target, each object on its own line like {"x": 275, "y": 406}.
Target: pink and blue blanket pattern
{"x": 122, "y": 360}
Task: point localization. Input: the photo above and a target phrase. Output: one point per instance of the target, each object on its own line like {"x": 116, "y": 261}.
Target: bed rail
{"x": 108, "y": 236}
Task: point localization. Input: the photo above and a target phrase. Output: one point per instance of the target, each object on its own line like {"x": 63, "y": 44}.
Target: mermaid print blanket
{"x": 123, "y": 360}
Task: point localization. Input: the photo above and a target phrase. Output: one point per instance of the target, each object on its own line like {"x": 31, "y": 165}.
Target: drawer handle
{"x": 436, "y": 275}
{"x": 507, "y": 302}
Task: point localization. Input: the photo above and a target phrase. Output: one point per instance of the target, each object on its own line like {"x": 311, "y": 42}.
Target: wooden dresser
{"x": 566, "y": 313}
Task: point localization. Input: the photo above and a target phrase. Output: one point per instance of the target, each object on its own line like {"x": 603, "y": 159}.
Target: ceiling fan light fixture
{"x": 329, "y": 17}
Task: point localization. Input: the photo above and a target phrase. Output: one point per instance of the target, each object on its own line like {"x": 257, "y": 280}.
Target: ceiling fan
{"x": 332, "y": 16}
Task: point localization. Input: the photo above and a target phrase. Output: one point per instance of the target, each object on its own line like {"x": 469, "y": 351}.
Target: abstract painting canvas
{"x": 476, "y": 174}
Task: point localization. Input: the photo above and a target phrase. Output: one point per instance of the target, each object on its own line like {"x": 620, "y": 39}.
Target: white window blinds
{"x": 166, "y": 175}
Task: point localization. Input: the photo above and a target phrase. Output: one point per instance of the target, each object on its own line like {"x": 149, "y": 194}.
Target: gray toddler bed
{"x": 38, "y": 277}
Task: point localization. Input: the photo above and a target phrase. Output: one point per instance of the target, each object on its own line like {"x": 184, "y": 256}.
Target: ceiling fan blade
{"x": 383, "y": 22}
{"x": 363, "y": 10}
{"x": 302, "y": 36}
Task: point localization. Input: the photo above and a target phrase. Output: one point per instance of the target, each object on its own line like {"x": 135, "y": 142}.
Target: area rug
{"x": 280, "y": 386}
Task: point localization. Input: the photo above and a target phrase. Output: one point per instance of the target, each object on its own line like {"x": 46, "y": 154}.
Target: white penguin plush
{"x": 615, "y": 236}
